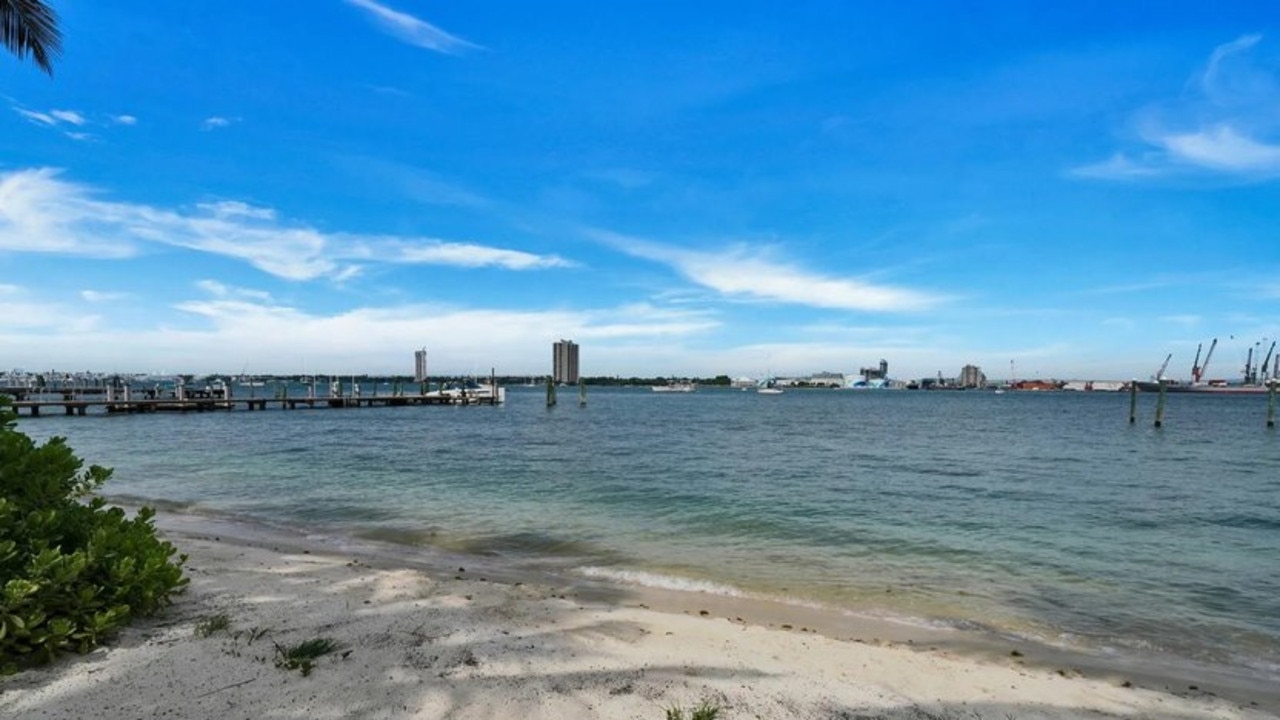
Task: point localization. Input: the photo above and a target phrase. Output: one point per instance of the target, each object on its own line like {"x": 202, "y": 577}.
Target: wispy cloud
{"x": 53, "y": 117}
{"x": 459, "y": 254}
{"x": 758, "y": 274}
{"x": 65, "y": 119}
{"x": 1187, "y": 321}
{"x": 41, "y": 212}
{"x": 222, "y": 290}
{"x": 412, "y": 30}
{"x": 1227, "y": 123}
{"x": 1119, "y": 167}
{"x": 215, "y": 122}
{"x": 68, "y": 116}
{"x": 1223, "y": 148}
{"x": 100, "y": 296}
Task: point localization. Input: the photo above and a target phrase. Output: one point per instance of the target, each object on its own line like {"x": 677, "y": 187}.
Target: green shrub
{"x": 72, "y": 570}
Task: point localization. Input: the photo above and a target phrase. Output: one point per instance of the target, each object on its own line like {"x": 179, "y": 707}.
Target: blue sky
{"x": 682, "y": 188}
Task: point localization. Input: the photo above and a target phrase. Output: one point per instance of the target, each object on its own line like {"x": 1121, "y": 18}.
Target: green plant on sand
{"x": 303, "y": 655}
{"x": 72, "y": 569}
{"x": 212, "y": 624}
{"x": 705, "y": 711}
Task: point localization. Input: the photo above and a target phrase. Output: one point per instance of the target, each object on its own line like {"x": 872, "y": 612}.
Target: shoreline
{"x": 428, "y": 638}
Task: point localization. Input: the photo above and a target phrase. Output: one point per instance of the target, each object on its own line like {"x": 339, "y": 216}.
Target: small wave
{"x": 663, "y": 582}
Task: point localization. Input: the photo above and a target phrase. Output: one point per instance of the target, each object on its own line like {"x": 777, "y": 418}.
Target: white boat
{"x": 675, "y": 387}
{"x": 474, "y": 390}
{"x": 768, "y": 386}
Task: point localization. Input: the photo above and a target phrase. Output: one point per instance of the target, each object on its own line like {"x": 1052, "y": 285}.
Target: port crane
{"x": 1251, "y": 370}
{"x": 1197, "y": 371}
{"x": 1163, "y": 366}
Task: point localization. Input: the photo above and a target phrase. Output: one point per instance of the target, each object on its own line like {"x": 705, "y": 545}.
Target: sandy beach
{"x": 417, "y": 642}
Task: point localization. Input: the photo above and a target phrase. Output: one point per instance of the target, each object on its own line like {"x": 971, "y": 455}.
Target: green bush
{"x": 72, "y": 570}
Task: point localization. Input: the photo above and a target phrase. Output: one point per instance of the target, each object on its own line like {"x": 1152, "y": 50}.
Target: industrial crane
{"x": 1160, "y": 373}
{"x": 1198, "y": 371}
{"x": 1267, "y": 361}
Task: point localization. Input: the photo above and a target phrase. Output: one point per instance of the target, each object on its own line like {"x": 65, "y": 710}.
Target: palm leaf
{"x": 31, "y": 27}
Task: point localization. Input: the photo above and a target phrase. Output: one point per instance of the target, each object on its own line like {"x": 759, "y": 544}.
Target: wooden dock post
{"x": 1160, "y": 405}
{"x": 1271, "y": 403}
{"x": 1133, "y": 401}
{"x": 551, "y": 391}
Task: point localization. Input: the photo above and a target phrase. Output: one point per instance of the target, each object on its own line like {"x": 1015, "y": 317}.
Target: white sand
{"x": 419, "y": 645}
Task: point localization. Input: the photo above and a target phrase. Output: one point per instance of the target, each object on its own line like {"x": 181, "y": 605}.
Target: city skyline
{"x": 725, "y": 188}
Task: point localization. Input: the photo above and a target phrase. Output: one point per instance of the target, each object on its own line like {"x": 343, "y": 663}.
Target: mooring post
{"x": 551, "y": 391}
{"x": 1160, "y": 405}
{"x": 1271, "y": 403}
{"x": 1133, "y": 401}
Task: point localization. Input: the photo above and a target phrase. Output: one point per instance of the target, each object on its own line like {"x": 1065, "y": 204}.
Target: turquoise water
{"x": 1042, "y": 515}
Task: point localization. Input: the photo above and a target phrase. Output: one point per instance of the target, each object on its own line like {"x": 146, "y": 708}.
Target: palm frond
{"x": 30, "y": 27}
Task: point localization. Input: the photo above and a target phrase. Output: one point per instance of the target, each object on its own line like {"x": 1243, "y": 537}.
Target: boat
{"x": 675, "y": 387}
{"x": 471, "y": 389}
{"x": 768, "y": 387}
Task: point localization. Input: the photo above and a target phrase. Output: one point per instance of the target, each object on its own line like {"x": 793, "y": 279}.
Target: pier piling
{"x": 1160, "y": 406}
{"x": 1271, "y": 403}
{"x": 1133, "y": 401}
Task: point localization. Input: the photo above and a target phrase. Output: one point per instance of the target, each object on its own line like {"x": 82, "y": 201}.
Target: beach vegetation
{"x": 213, "y": 624}
{"x": 73, "y": 570}
{"x": 303, "y": 655}
{"x": 706, "y": 711}
{"x": 30, "y": 27}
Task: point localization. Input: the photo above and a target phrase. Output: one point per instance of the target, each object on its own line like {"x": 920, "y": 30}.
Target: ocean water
{"x": 1038, "y": 515}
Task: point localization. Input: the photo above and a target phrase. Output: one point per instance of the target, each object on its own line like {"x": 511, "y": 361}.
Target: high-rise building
{"x": 971, "y": 376}
{"x": 420, "y": 365}
{"x": 564, "y": 362}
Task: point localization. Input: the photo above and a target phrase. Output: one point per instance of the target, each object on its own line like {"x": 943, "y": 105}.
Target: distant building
{"x": 827, "y": 379}
{"x": 876, "y": 373}
{"x": 564, "y": 362}
{"x": 971, "y": 376}
{"x": 420, "y": 365}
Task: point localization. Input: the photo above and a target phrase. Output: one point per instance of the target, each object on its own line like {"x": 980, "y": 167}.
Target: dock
{"x": 116, "y": 401}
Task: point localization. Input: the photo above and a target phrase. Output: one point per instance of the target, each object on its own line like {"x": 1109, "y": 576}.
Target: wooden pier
{"x": 76, "y": 404}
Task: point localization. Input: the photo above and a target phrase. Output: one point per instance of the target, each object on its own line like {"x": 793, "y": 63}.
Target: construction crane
{"x": 1160, "y": 373}
{"x": 1197, "y": 373}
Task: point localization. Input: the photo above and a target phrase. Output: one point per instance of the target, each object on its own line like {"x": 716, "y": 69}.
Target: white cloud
{"x": 99, "y": 296}
{"x": 37, "y": 117}
{"x": 1223, "y": 148}
{"x": 82, "y": 137}
{"x": 53, "y": 117}
{"x": 753, "y": 273}
{"x": 215, "y": 122}
{"x": 412, "y": 30}
{"x": 68, "y": 116}
{"x": 235, "y": 208}
{"x": 125, "y": 120}
{"x": 439, "y": 252}
{"x": 1224, "y": 124}
{"x": 1118, "y": 167}
{"x": 220, "y": 290}
{"x": 40, "y": 212}
{"x": 1187, "y": 321}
